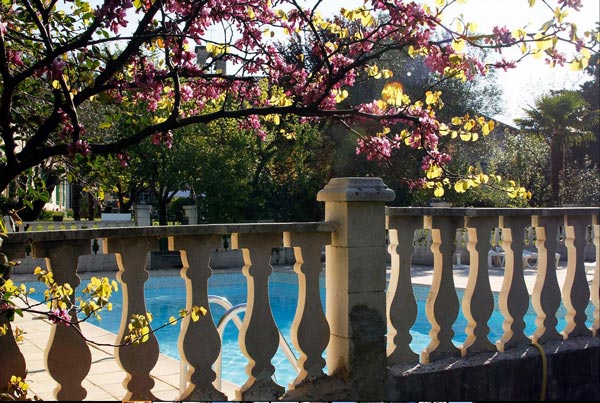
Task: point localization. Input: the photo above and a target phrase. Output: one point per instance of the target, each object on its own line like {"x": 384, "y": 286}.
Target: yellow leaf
{"x": 472, "y": 27}
{"x": 576, "y": 65}
{"x": 443, "y": 130}
{"x": 340, "y": 95}
{"x": 460, "y": 187}
{"x": 281, "y": 14}
{"x": 439, "y": 191}
{"x": 393, "y": 94}
{"x": 55, "y": 84}
{"x": 381, "y": 104}
{"x": 216, "y": 50}
{"x": 411, "y": 51}
{"x": 465, "y": 136}
{"x": 459, "y": 45}
{"x": 434, "y": 172}
{"x": 456, "y": 121}
{"x": 542, "y": 42}
{"x": 387, "y": 73}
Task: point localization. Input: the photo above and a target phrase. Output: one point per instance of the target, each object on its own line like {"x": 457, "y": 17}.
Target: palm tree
{"x": 562, "y": 119}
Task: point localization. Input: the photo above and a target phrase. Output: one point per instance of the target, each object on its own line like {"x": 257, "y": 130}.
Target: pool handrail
{"x": 232, "y": 314}
{"x": 226, "y": 304}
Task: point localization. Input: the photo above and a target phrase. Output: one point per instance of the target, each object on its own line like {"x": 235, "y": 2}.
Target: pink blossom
{"x": 55, "y": 70}
{"x": 574, "y": 4}
{"x": 60, "y": 316}
{"x": 556, "y": 57}
{"x": 123, "y": 159}
{"x": 505, "y": 65}
{"x": 79, "y": 147}
{"x": 5, "y": 306}
{"x": 14, "y": 57}
{"x": 502, "y": 36}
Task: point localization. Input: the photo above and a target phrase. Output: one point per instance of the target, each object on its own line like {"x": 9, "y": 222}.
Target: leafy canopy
{"x": 190, "y": 62}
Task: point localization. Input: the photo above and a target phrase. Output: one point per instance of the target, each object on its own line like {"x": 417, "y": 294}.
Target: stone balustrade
{"x": 481, "y": 226}
{"x": 30, "y": 226}
{"x": 364, "y": 329}
{"x": 68, "y": 356}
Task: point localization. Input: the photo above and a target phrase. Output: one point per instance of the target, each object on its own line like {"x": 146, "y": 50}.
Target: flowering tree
{"x": 58, "y": 56}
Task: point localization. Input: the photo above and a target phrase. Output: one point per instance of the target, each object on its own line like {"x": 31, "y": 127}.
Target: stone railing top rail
{"x": 171, "y": 230}
{"x": 490, "y": 211}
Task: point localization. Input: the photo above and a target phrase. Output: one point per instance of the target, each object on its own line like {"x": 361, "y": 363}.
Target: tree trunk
{"x": 91, "y": 207}
{"x": 162, "y": 212}
{"x": 556, "y": 167}
{"x": 76, "y": 198}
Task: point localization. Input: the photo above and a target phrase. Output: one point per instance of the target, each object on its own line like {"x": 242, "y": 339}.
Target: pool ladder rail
{"x": 232, "y": 313}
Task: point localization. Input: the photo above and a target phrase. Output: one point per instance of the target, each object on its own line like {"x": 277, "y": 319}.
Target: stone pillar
{"x": 142, "y": 215}
{"x": 356, "y": 282}
{"x": 191, "y": 212}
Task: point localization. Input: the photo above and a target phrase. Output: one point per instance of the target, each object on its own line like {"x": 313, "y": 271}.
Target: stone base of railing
{"x": 572, "y": 370}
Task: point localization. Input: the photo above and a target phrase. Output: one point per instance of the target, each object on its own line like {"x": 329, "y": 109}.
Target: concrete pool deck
{"x": 104, "y": 381}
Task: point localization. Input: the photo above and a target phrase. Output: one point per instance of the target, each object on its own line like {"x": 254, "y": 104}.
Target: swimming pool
{"x": 165, "y": 296}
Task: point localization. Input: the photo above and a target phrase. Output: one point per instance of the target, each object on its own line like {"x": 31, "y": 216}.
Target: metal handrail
{"x": 232, "y": 313}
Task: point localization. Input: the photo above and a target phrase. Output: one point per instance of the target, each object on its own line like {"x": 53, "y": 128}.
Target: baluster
{"x": 199, "y": 342}
{"x": 595, "y": 289}
{"x": 531, "y": 239}
{"x": 401, "y": 303}
{"x": 514, "y": 297}
{"x": 13, "y": 361}
{"x": 546, "y": 291}
{"x": 137, "y": 360}
{"x": 259, "y": 335}
{"x": 576, "y": 292}
{"x": 442, "y": 301}
{"x": 478, "y": 300}
{"x": 310, "y": 330}
{"x": 68, "y": 357}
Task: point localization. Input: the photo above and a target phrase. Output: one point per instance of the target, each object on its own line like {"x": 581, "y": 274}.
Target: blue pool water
{"x": 165, "y": 296}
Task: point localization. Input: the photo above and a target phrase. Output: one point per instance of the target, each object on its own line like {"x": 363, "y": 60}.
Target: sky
{"x": 532, "y": 78}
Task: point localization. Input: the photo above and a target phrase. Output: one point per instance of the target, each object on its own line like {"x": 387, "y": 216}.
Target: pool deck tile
{"x": 105, "y": 379}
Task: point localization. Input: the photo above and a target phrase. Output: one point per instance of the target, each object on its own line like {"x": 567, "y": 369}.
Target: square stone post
{"x": 142, "y": 215}
{"x": 191, "y": 212}
{"x": 356, "y": 282}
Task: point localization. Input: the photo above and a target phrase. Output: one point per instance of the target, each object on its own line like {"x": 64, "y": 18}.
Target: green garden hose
{"x": 544, "y": 370}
